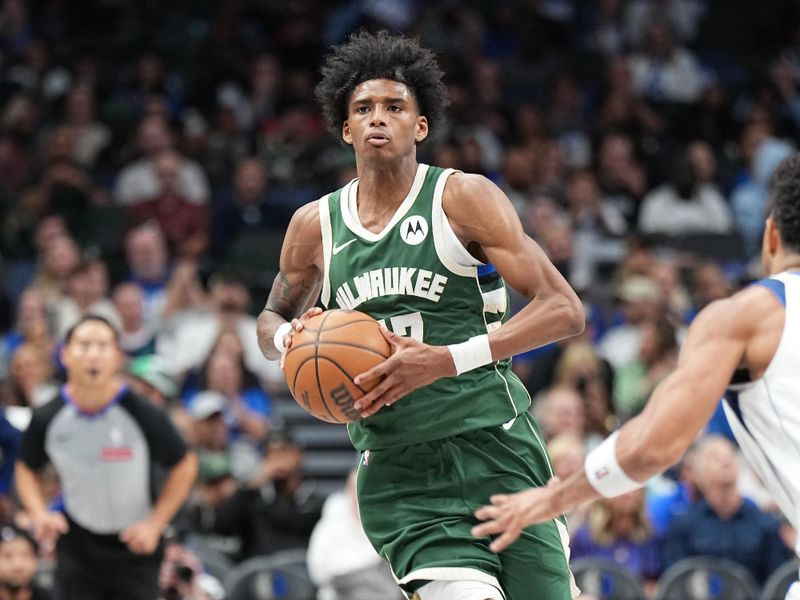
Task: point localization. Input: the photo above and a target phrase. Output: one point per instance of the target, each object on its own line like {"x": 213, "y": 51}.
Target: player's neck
{"x": 93, "y": 398}
{"x": 785, "y": 262}
{"x": 385, "y": 184}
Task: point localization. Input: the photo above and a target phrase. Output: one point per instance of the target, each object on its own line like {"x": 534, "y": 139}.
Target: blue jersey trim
{"x": 486, "y": 269}
{"x": 776, "y": 286}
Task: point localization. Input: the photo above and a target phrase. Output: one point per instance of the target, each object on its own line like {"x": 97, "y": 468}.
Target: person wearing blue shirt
{"x": 723, "y": 523}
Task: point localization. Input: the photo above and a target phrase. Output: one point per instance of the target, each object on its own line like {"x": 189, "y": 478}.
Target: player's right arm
{"x": 297, "y": 285}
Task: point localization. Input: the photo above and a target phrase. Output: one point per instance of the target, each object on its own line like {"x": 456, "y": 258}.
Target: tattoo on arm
{"x": 289, "y": 299}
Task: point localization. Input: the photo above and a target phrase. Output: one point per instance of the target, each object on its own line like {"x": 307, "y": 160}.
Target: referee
{"x": 103, "y": 441}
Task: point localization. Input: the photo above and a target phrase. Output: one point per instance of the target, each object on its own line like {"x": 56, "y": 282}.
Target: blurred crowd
{"x": 152, "y": 153}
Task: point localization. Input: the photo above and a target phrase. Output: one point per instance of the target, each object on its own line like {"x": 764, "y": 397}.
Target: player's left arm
{"x": 486, "y": 222}
{"x": 677, "y": 410}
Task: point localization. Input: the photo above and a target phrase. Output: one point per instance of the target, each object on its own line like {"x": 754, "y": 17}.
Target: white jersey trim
{"x": 327, "y": 241}
{"x": 349, "y": 203}
{"x": 451, "y": 252}
{"x": 451, "y": 574}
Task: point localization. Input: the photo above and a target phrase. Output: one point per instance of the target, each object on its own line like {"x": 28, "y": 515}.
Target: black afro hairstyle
{"x": 786, "y": 201}
{"x": 380, "y": 55}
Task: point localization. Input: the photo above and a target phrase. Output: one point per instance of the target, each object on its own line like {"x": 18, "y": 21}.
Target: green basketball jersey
{"x": 417, "y": 278}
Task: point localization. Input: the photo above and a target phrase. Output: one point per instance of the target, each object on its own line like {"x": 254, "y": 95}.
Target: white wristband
{"x": 280, "y": 333}
{"x": 473, "y": 353}
{"x": 604, "y": 472}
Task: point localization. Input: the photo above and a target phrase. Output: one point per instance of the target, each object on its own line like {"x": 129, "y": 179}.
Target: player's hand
{"x": 142, "y": 537}
{"x": 298, "y": 324}
{"x": 509, "y": 514}
{"x": 411, "y": 366}
{"x": 48, "y": 526}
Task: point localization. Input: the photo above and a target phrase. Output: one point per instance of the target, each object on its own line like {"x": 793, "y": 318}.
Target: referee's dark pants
{"x": 100, "y": 567}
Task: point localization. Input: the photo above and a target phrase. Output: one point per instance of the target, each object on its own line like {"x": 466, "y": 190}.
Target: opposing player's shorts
{"x": 417, "y": 502}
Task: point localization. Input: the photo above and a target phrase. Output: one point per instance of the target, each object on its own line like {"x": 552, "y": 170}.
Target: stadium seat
{"x": 781, "y": 580}
{"x": 606, "y": 580}
{"x": 279, "y": 576}
{"x": 707, "y": 578}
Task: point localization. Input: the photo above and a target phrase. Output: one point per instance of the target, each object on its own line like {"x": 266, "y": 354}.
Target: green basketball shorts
{"x": 416, "y": 504}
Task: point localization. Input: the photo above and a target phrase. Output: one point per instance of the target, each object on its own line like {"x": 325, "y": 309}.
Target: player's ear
{"x": 421, "y": 131}
{"x": 346, "y": 135}
{"x": 771, "y": 236}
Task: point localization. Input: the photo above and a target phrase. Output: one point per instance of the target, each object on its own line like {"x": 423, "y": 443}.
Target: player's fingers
{"x": 384, "y": 399}
{"x": 379, "y": 370}
{"x": 486, "y": 513}
{"x": 373, "y": 395}
{"x": 499, "y": 499}
{"x": 505, "y": 540}
{"x": 311, "y": 312}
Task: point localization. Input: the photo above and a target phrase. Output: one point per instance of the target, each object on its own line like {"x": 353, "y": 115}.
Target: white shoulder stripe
{"x": 448, "y": 247}
{"x": 327, "y": 241}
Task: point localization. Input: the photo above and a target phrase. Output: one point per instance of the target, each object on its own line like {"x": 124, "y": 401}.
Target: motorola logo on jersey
{"x": 413, "y": 230}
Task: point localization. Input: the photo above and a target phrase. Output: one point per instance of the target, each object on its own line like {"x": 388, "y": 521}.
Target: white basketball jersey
{"x": 765, "y": 414}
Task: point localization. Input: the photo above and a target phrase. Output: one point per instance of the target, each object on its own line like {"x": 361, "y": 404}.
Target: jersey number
{"x": 409, "y": 325}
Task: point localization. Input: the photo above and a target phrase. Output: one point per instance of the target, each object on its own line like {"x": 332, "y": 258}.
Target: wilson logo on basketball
{"x": 342, "y": 398}
{"x": 413, "y": 230}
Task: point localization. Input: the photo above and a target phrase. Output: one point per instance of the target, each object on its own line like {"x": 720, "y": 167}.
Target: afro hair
{"x": 380, "y": 55}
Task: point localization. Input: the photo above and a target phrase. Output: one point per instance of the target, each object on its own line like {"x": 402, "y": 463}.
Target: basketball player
{"x": 413, "y": 245}
{"x": 749, "y": 344}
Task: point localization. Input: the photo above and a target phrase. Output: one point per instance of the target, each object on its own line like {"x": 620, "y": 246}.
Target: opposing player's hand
{"x": 142, "y": 537}
{"x": 411, "y": 366}
{"x": 509, "y": 514}
{"x": 298, "y": 324}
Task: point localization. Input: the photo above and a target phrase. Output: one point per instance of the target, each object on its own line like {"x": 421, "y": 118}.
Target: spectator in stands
{"x": 622, "y": 178}
{"x": 559, "y": 411}
{"x": 723, "y": 523}
{"x": 91, "y": 136}
{"x": 147, "y": 257}
{"x": 87, "y": 293}
{"x": 103, "y": 442}
{"x": 247, "y": 406}
{"x": 9, "y": 442}
{"x": 749, "y": 200}
{"x": 567, "y": 453}
{"x": 58, "y": 261}
{"x": 641, "y": 301}
{"x": 618, "y": 529}
{"x": 32, "y": 326}
{"x": 673, "y": 498}
{"x": 197, "y": 331}
{"x": 18, "y": 565}
{"x": 138, "y": 181}
{"x": 663, "y": 71}
{"x": 708, "y": 284}
{"x": 676, "y": 300}
{"x": 276, "y": 510}
{"x": 181, "y": 576}
{"x": 31, "y": 376}
{"x": 211, "y": 435}
{"x": 137, "y": 336}
{"x": 581, "y": 369}
{"x": 684, "y": 205}
{"x": 341, "y": 561}
{"x": 247, "y": 210}
{"x": 184, "y": 223}
{"x": 658, "y": 356}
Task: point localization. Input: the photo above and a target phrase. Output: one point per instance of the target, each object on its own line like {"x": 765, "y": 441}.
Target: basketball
{"x": 326, "y": 356}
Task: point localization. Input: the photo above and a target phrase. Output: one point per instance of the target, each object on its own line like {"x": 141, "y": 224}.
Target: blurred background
{"x": 152, "y": 153}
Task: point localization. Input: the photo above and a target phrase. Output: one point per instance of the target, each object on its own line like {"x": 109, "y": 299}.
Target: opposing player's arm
{"x": 718, "y": 341}
{"x": 481, "y": 214}
{"x": 299, "y": 280}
